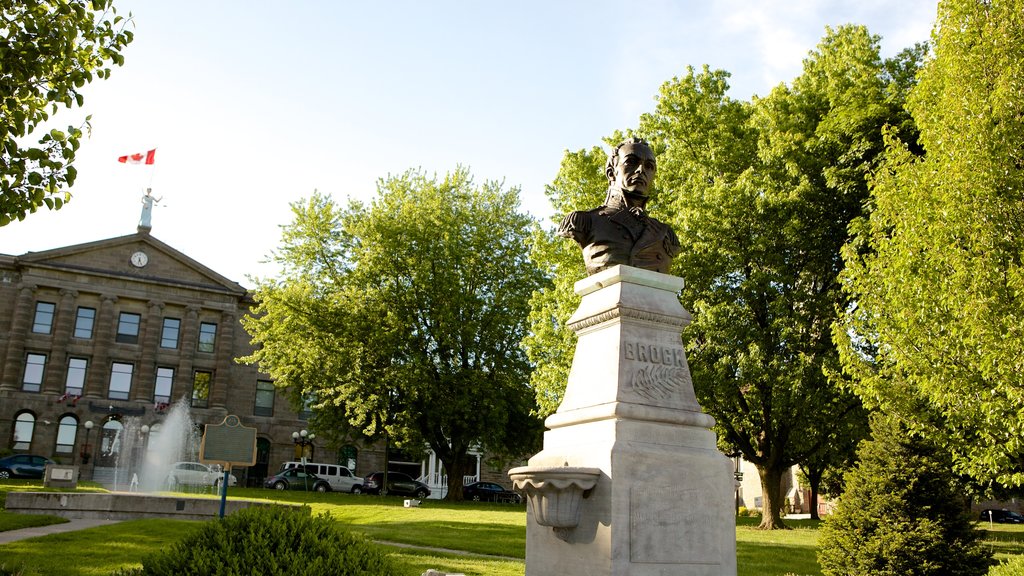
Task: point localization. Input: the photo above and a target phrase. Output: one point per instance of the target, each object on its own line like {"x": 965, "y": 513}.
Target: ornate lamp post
{"x": 303, "y": 450}
{"x": 738, "y": 474}
{"x": 86, "y": 451}
{"x": 303, "y": 445}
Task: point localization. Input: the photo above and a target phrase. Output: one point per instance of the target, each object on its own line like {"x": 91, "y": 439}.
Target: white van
{"x": 339, "y": 477}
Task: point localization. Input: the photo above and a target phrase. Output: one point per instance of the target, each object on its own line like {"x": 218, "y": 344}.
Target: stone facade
{"x": 130, "y": 286}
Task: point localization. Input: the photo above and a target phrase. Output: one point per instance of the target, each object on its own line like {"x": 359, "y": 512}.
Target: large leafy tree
{"x": 765, "y": 192}
{"x": 760, "y": 194}
{"x": 49, "y": 50}
{"x": 937, "y": 331}
{"x": 403, "y": 317}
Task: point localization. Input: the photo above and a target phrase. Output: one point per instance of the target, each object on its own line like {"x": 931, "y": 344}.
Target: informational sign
{"x": 228, "y": 444}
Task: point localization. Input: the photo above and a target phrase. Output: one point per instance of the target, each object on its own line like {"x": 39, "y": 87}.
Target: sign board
{"x": 228, "y": 444}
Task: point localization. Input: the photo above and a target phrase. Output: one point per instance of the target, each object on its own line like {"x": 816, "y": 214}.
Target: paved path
{"x": 78, "y": 524}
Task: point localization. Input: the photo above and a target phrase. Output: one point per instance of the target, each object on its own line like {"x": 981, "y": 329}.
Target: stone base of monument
{"x": 630, "y": 481}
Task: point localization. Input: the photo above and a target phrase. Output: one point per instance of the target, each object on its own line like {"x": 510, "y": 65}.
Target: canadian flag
{"x": 140, "y": 158}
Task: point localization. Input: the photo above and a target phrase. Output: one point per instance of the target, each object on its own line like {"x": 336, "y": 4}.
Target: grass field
{"x": 475, "y": 539}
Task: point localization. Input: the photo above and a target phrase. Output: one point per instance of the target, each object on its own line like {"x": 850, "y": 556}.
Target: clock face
{"x": 139, "y": 259}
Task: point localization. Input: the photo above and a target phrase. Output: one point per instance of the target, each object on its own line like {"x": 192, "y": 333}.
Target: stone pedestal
{"x": 661, "y": 502}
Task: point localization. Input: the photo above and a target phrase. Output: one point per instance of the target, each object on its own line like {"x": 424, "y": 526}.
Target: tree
{"x": 549, "y": 344}
{"x": 766, "y": 190}
{"x": 823, "y": 471}
{"x": 405, "y": 316}
{"x": 50, "y": 49}
{"x": 936, "y": 330}
{"x": 762, "y": 193}
{"x": 903, "y": 512}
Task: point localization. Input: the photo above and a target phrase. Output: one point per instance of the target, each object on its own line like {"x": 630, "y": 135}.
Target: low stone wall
{"x": 121, "y": 506}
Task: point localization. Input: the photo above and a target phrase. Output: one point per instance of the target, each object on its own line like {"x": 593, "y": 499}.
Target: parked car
{"x": 399, "y": 484}
{"x": 340, "y": 477}
{"x": 489, "y": 492}
{"x": 197, "y": 474}
{"x": 297, "y": 479}
{"x": 1002, "y": 516}
{"x": 23, "y": 466}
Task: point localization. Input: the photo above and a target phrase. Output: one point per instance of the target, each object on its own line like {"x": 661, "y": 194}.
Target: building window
{"x": 307, "y": 407}
{"x": 84, "y": 320}
{"x": 43, "y": 321}
{"x": 24, "y": 426}
{"x": 169, "y": 334}
{"x": 66, "y": 431}
{"x": 128, "y": 328}
{"x": 75, "y": 382}
{"x": 264, "y": 398}
{"x": 201, "y": 383}
{"x": 164, "y": 382}
{"x": 120, "y": 380}
{"x": 207, "y": 336}
{"x": 34, "y": 367}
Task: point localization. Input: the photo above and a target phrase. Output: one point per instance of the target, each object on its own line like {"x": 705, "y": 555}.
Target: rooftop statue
{"x": 620, "y": 231}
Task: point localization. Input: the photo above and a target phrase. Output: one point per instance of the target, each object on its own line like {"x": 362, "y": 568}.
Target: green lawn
{"x": 491, "y": 538}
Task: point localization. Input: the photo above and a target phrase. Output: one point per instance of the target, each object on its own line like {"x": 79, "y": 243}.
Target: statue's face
{"x": 635, "y": 171}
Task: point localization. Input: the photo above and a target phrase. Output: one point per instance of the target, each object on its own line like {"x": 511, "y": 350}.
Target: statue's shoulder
{"x": 578, "y": 222}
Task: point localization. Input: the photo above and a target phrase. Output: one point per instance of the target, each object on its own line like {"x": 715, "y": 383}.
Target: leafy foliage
{"x": 937, "y": 330}
{"x": 580, "y": 184}
{"x": 403, "y": 318}
{"x": 49, "y": 50}
{"x": 762, "y": 193}
{"x": 766, "y": 191}
{"x": 271, "y": 541}
{"x": 903, "y": 512}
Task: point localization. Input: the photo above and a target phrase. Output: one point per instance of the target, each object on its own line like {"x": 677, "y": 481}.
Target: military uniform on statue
{"x": 620, "y": 231}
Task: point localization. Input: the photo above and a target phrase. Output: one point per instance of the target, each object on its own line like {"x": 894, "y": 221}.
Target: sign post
{"x": 228, "y": 443}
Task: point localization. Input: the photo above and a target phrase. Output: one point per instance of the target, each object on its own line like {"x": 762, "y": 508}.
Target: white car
{"x": 197, "y": 474}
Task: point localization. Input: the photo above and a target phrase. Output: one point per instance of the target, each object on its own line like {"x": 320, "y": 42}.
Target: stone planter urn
{"x": 555, "y": 493}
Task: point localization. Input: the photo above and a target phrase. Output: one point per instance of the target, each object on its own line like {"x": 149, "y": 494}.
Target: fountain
{"x": 135, "y": 451}
{"x": 130, "y": 454}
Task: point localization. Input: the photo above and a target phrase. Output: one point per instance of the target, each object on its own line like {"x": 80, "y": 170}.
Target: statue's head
{"x": 631, "y": 168}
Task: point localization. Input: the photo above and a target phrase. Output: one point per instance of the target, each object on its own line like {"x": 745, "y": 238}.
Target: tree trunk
{"x": 455, "y": 468}
{"x": 771, "y": 498}
{"x": 815, "y": 482}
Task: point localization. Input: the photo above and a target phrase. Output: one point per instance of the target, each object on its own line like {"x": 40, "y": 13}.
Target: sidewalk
{"x": 78, "y": 524}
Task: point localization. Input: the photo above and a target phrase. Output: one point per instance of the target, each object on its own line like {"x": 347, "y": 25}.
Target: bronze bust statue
{"x": 620, "y": 231}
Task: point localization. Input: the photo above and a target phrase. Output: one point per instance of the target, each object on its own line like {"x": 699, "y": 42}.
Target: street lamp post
{"x": 87, "y": 449}
{"x": 303, "y": 450}
{"x": 738, "y": 475}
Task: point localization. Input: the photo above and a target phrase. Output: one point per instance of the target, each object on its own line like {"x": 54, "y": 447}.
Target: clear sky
{"x": 252, "y": 104}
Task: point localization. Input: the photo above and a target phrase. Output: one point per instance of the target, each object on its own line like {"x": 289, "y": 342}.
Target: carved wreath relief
{"x": 665, "y": 375}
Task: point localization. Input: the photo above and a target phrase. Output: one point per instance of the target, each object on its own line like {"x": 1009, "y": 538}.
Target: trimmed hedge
{"x": 268, "y": 541}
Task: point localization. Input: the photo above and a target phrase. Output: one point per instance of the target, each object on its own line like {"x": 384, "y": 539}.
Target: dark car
{"x": 399, "y": 484}
{"x": 297, "y": 479}
{"x": 489, "y": 492}
{"x": 1002, "y": 516}
{"x": 23, "y": 466}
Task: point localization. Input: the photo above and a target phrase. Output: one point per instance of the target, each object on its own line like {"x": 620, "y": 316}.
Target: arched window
{"x": 24, "y": 427}
{"x": 110, "y": 442}
{"x": 67, "y": 431}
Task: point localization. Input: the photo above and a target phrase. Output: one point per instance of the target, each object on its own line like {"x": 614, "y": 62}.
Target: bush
{"x": 269, "y": 541}
{"x": 903, "y": 512}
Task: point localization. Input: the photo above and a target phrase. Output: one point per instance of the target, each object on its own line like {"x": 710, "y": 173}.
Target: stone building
{"x": 95, "y": 335}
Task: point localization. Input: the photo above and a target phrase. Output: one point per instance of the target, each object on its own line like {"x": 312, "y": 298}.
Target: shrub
{"x": 903, "y": 512}
{"x": 269, "y": 541}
